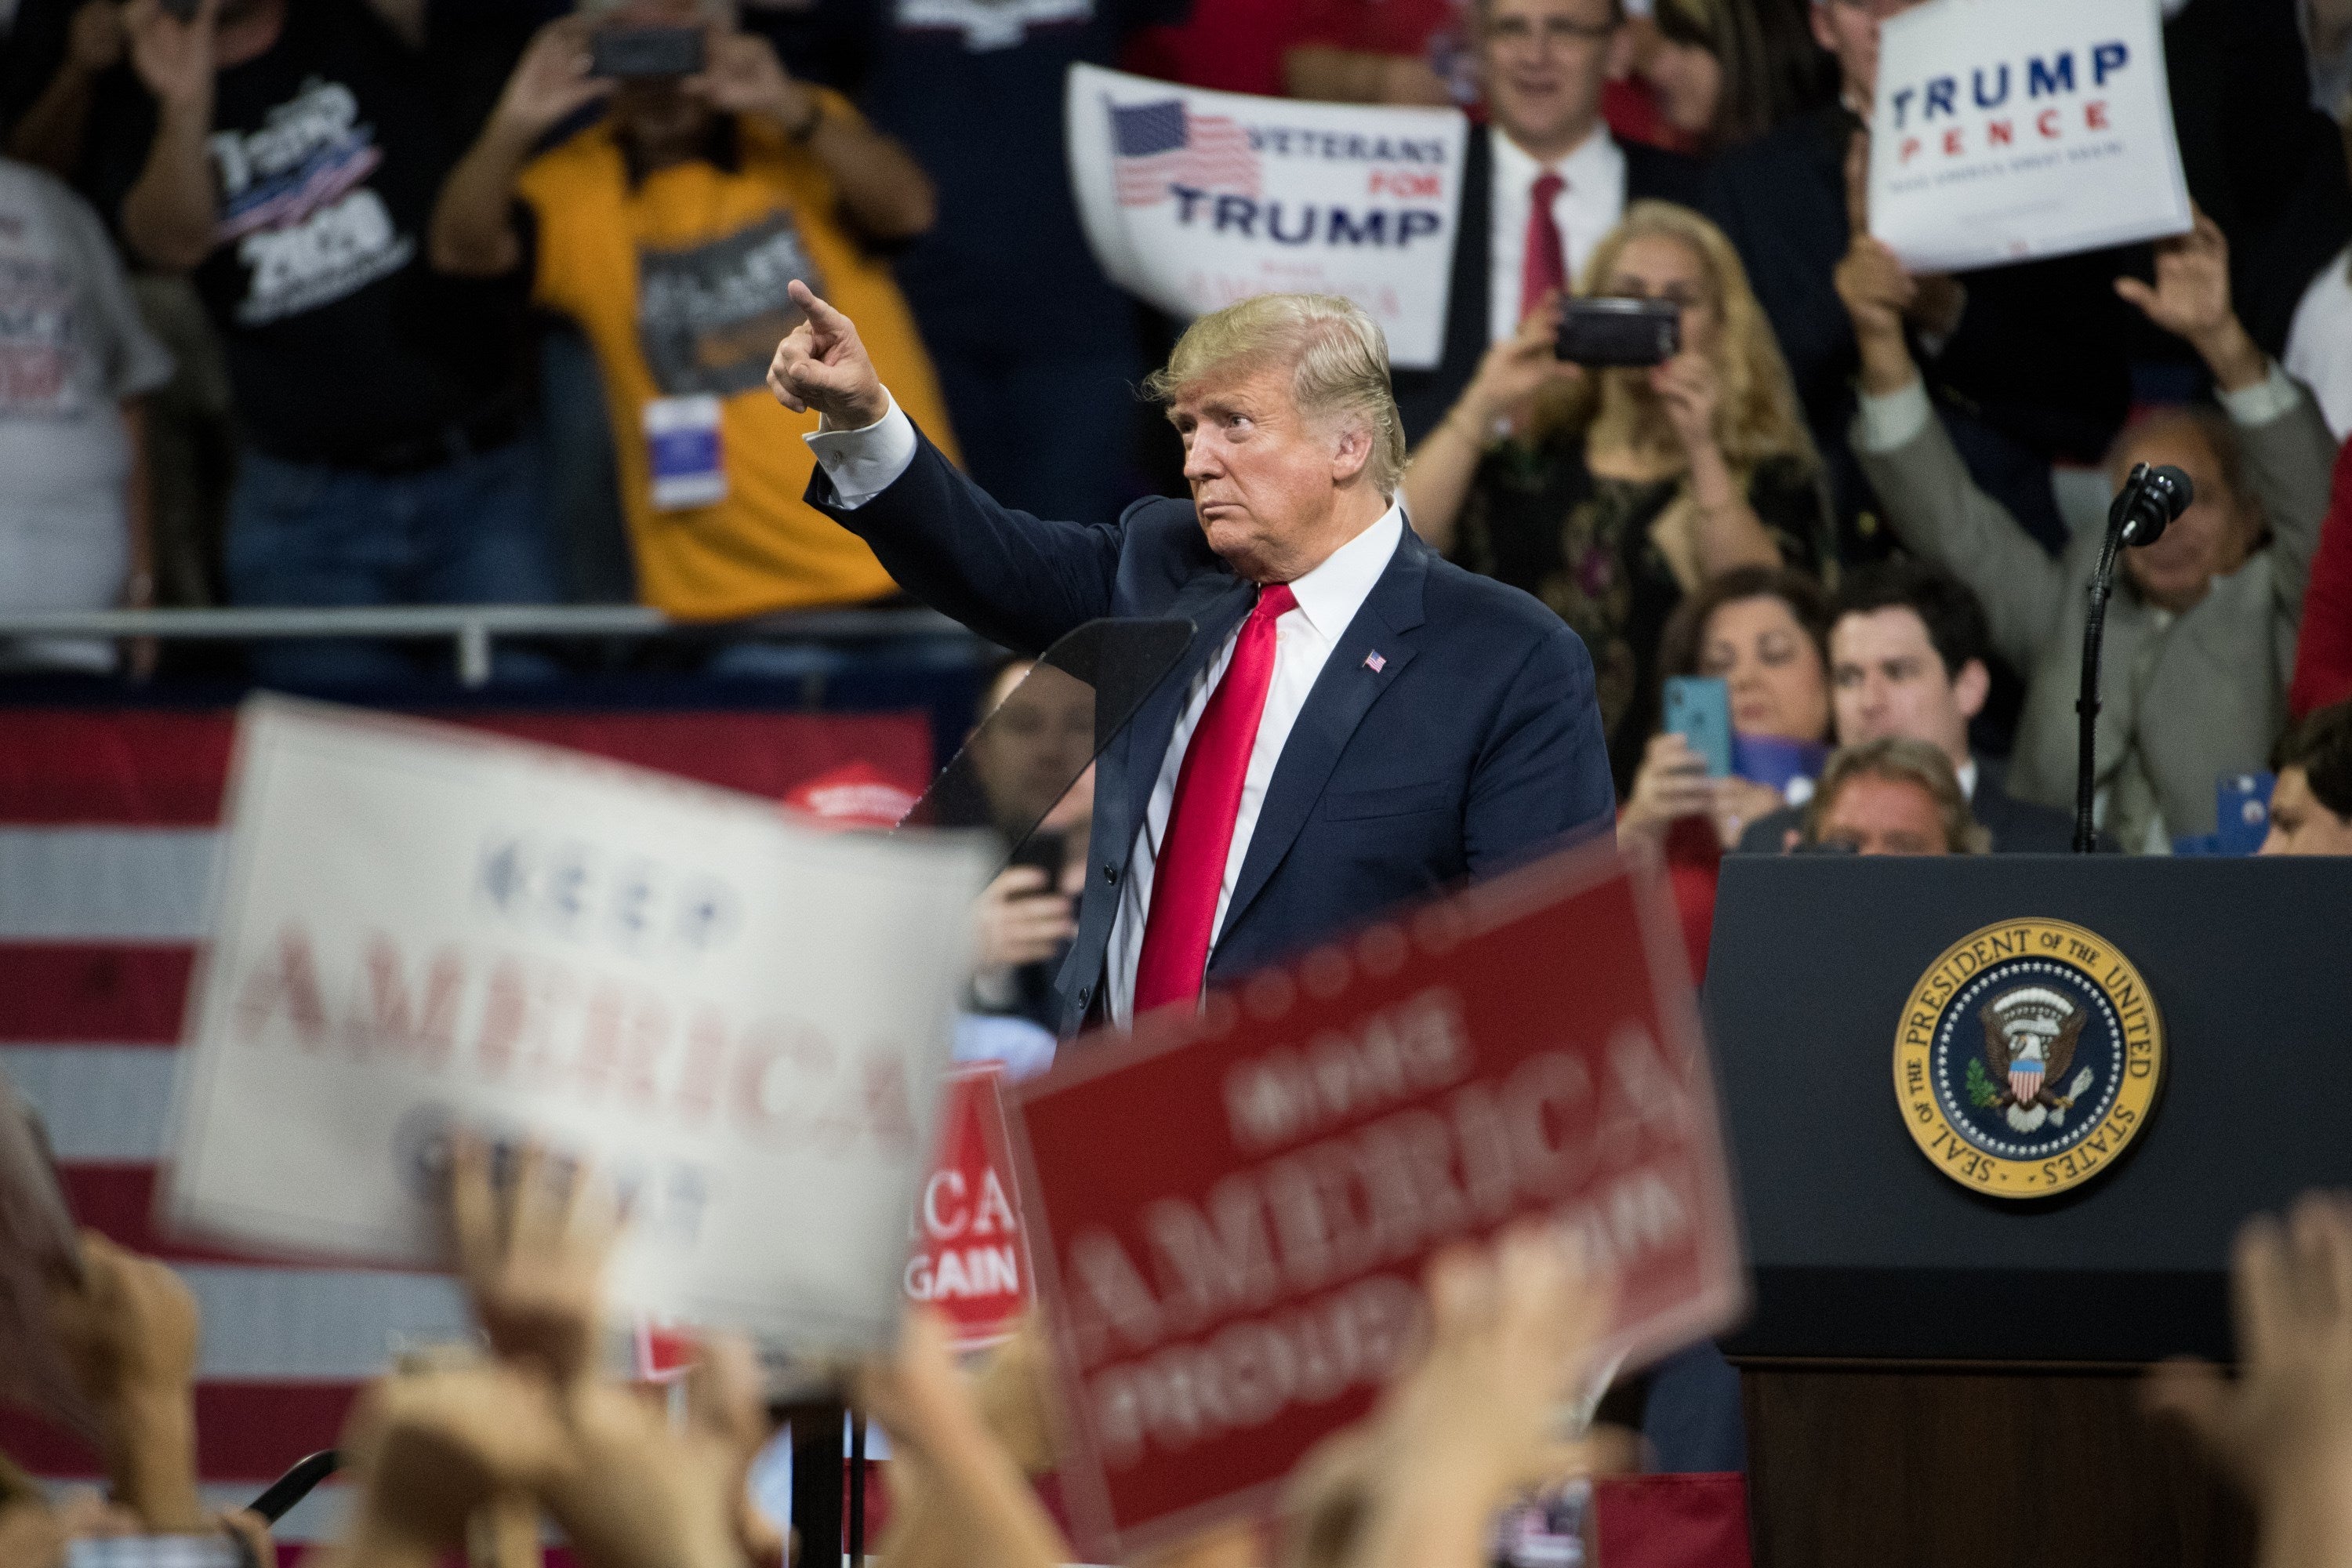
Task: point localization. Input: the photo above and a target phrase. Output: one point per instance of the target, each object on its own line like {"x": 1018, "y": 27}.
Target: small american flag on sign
{"x": 1156, "y": 145}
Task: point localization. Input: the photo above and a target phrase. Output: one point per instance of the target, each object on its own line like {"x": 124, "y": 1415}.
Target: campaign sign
{"x": 739, "y": 1021}
{"x": 1232, "y": 1210}
{"x": 1195, "y": 199}
{"x": 970, "y": 1256}
{"x": 2005, "y": 130}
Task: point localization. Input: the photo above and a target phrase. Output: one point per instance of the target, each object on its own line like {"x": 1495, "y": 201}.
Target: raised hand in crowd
{"x": 743, "y": 76}
{"x": 172, "y": 57}
{"x": 472, "y": 233}
{"x": 169, "y": 213}
{"x": 1511, "y": 376}
{"x": 628, "y": 1491}
{"x": 821, "y": 364}
{"x": 550, "y": 82}
{"x": 959, "y": 1498}
{"x": 2190, "y": 300}
{"x": 1513, "y": 1332}
{"x": 2284, "y": 1429}
{"x": 129, "y": 1329}
{"x": 1021, "y": 918}
{"x": 532, "y": 1259}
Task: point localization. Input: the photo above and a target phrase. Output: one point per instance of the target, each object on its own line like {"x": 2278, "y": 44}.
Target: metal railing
{"x": 472, "y": 628}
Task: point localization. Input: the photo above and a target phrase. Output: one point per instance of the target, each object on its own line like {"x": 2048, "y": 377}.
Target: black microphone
{"x": 2143, "y": 509}
{"x": 2149, "y": 502}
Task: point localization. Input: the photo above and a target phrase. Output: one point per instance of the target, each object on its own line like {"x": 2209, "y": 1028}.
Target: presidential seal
{"x": 2028, "y": 1058}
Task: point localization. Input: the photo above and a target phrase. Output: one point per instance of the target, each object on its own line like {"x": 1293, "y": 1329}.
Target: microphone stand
{"x": 2121, "y": 514}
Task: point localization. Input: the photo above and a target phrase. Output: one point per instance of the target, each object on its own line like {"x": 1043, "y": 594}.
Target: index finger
{"x": 815, "y": 308}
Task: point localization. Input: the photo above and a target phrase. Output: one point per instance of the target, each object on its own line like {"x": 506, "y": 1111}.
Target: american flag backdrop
{"x": 109, "y": 824}
{"x": 1155, "y": 146}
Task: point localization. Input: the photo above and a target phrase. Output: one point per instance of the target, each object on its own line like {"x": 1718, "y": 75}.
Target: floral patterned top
{"x": 1537, "y": 518}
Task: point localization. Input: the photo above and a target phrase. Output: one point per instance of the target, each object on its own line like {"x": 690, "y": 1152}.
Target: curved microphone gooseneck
{"x": 2150, "y": 499}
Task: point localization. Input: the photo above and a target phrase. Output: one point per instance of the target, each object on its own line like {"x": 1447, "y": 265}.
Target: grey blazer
{"x": 2214, "y": 700}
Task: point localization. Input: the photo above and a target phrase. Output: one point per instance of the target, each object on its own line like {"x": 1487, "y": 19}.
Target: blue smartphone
{"x": 1698, "y": 709}
{"x": 2242, "y": 813}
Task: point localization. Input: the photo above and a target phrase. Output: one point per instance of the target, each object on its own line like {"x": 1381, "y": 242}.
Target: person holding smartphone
{"x": 1764, "y": 632}
{"x": 1612, "y": 493}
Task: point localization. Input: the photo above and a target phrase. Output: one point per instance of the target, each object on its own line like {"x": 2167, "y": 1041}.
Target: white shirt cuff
{"x": 2263, "y": 402}
{"x": 864, "y": 463}
{"x": 1895, "y": 418}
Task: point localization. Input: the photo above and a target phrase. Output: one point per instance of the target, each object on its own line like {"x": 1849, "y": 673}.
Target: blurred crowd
{"x": 358, "y": 302}
{"x": 463, "y": 1454}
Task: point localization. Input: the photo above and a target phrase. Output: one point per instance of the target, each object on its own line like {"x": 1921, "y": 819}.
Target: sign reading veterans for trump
{"x": 2006, "y": 130}
{"x": 2029, "y": 1059}
{"x": 1196, "y": 199}
{"x": 1232, "y": 1211}
{"x": 741, "y": 1023}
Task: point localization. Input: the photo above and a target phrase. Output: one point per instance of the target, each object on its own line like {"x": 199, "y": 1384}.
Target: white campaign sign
{"x": 2006, "y": 130}
{"x": 742, "y": 1022}
{"x": 1195, "y": 199}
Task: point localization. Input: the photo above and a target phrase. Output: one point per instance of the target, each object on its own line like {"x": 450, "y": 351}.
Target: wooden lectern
{"x": 1935, "y": 1375}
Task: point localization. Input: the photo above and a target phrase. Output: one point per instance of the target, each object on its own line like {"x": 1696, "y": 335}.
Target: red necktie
{"x": 1545, "y": 267}
{"x": 1190, "y": 867}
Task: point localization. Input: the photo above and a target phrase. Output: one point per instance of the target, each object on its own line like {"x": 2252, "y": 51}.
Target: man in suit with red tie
{"x": 1355, "y": 722}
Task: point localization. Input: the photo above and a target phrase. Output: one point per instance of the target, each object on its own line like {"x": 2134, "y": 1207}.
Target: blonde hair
{"x": 1339, "y": 364}
{"x": 1901, "y": 760}
{"x": 1756, "y": 417}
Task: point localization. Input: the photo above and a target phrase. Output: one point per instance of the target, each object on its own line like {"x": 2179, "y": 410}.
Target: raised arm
{"x": 473, "y": 230}
{"x": 1438, "y": 478}
{"x": 1016, "y": 579}
{"x": 2288, "y": 449}
{"x": 1931, "y": 501}
{"x": 172, "y": 210}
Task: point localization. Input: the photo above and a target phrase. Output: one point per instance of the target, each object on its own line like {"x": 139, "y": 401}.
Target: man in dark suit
{"x": 2028, "y": 362}
{"x": 1356, "y": 721}
{"x": 1542, "y": 65}
{"x": 1908, "y": 646}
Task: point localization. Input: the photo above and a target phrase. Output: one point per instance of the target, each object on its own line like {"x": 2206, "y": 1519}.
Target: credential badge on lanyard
{"x": 683, "y": 451}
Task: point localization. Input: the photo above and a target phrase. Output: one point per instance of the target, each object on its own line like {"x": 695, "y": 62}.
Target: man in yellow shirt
{"x": 669, "y": 230}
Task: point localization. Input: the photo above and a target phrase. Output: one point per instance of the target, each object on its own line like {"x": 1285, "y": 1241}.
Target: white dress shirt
{"x": 1591, "y": 201}
{"x": 862, "y": 463}
{"x": 1329, "y": 598}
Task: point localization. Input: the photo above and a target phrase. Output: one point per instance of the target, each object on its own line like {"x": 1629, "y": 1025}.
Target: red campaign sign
{"x": 970, "y": 1257}
{"x": 1232, "y": 1209}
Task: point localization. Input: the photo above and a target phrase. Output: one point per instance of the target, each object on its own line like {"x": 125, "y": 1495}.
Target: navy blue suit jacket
{"x": 1475, "y": 744}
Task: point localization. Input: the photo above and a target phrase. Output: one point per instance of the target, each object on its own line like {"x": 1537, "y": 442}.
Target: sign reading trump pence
{"x": 1232, "y": 1212}
{"x": 2005, "y": 130}
{"x": 1194, "y": 199}
{"x": 741, "y": 1023}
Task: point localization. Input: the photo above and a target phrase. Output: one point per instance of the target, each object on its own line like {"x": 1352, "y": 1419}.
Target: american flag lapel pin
{"x": 1374, "y": 662}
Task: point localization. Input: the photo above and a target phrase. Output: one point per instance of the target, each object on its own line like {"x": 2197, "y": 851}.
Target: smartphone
{"x": 631, "y": 53}
{"x": 1619, "y": 331}
{"x": 2242, "y": 812}
{"x": 1698, "y": 709}
{"x": 1046, "y": 852}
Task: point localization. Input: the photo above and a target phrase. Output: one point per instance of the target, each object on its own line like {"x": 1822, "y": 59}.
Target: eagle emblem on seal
{"x": 2029, "y": 1037}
